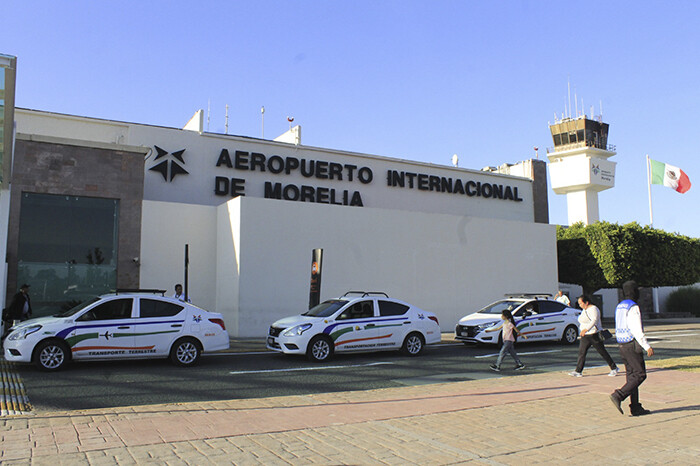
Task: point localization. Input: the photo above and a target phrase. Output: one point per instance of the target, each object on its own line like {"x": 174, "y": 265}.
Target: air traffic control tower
{"x": 579, "y": 165}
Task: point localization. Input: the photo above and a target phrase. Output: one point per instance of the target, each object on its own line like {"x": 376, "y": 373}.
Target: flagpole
{"x": 651, "y": 213}
{"x": 654, "y": 291}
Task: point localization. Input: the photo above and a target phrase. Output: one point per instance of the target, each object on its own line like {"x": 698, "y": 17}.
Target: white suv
{"x": 129, "y": 324}
{"x": 536, "y": 315}
{"x": 369, "y": 321}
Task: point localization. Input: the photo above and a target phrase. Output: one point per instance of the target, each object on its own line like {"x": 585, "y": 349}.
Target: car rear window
{"x": 388, "y": 308}
{"x": 155, "y": 308}
{"x": 547, "y": 307}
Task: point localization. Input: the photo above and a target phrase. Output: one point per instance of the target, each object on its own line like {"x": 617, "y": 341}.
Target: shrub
{"x": 686, "y": 299}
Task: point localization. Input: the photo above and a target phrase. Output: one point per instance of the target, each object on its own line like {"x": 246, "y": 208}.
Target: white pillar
{"x": 582, "y": 206}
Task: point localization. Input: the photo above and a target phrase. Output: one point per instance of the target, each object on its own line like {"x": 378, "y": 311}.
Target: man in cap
{"x": 633, "y": 344}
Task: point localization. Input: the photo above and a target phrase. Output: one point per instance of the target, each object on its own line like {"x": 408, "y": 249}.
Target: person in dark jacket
{"x": 20, "y": 307}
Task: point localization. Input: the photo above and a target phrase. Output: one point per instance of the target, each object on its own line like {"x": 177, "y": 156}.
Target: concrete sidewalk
{"x": 540, "y": 418}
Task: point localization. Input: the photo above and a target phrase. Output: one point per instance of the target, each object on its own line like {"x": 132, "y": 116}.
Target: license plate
{"x": 465, "y": 333}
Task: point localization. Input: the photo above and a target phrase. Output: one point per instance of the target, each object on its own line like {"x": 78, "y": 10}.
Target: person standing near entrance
{"x": 633, "y": 344}
{"x": 20, "y": 308}
{"x": 562, "y": 298}
{"x": 590, "y": 325}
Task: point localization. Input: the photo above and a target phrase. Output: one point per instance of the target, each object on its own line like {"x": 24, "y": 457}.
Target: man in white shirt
{"x": 562, "y": 298}
{"x": 180, "y": 295}
{"x": 633, "y": 344}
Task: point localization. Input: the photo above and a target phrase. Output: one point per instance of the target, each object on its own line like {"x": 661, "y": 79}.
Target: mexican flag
{"x": 668, "y": 175}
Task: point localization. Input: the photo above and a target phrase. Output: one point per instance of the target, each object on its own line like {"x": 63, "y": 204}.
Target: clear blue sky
{"x": 406, "y": 79}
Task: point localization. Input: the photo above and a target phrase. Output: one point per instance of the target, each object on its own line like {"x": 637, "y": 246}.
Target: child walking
{"x": 508, "y": 342}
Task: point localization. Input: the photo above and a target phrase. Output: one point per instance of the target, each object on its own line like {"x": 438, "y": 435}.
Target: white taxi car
{"x": 537, "y": 316}
{"x": 129, "y": 324}
{"x": 367, "y": 321}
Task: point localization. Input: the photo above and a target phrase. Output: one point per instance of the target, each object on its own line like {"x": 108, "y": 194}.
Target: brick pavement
{"x": 534, "y": 418}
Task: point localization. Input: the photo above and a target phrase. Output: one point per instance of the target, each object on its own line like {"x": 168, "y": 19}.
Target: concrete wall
{"x": 448, "y": 264}
{"x": 166, "y": 228}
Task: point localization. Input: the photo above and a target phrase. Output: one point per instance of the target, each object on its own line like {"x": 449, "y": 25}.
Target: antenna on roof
{"x": 226, "y": 132}
{"x": 568, "y": 85}
{"x": 262, "y": 112}
{"x": 208, "y": 113}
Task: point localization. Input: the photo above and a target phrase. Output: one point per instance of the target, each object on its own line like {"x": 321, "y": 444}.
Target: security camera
{"x": 136, "y": 259}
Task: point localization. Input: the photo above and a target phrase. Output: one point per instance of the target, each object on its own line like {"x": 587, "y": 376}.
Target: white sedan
{"x": 537, "y": 316}
{"x": 124, "y": 325}
{"x": 365, "y": 322}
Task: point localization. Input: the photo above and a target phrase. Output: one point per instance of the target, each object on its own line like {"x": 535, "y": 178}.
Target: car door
{"x": 355, "y": 327}
{"x": 554, "y": 321}
{"x": 158, "y": 324}
{"x": 393, "y": 324}
{"x": 105, "y": 330}
{"x": 528, "y": 321}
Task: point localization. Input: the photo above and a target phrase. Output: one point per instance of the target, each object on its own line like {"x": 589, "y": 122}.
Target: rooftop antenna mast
{"x": 208, "y": 113}
{"x": 568, "y": 85}
{"x": 226, "y": 132}
{"x": 262, "y": 112}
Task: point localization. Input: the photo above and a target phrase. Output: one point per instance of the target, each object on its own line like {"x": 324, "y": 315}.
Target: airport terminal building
{"x": 96, "y": 205}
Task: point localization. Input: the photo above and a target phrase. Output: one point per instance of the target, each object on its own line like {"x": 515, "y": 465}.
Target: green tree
{"x": 605, "y": 255}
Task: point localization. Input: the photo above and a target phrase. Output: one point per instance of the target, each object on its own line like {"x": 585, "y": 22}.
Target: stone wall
{"x": 63, "y": 167}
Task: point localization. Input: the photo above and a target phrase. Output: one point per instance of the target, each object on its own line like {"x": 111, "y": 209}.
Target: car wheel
{"x": 570, "y": 335}
{"x": 51, "y": 355}
{"x": 185, "y": 352}
{"x": 413, "y": 344}
{"x": 320, "y": 348}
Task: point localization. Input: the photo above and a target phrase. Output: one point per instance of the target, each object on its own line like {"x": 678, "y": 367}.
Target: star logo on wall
{"x": 169, "y": 168}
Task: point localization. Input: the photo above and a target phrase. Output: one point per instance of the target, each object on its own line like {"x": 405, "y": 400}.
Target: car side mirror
{"x": 527, "y": 313}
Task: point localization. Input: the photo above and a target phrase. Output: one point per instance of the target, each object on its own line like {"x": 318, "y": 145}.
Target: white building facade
{"x": 446, "y": 239}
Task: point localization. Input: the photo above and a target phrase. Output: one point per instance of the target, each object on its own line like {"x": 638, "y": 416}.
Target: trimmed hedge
{"x": 686, "y": 299}
{"x": 605, "y": 255}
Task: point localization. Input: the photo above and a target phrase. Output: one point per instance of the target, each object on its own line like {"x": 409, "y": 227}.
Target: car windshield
{"x": 78, "y": 308}
{"x": 500, "y": 306}
{"x": 326, "y": 308}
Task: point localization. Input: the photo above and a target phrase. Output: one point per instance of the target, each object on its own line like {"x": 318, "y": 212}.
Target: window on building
{"x": 67, "y": 249}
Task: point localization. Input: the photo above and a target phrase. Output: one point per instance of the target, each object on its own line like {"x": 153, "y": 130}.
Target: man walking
{"x": 630, "y": 337}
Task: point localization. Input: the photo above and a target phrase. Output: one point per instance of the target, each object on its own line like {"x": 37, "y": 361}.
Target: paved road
{"x": 542, "y": 418}
{"x": 249, "y": 371}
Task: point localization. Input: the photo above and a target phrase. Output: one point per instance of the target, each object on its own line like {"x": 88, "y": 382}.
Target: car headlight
{"x": 296, "y": 331}
{"x": 483, "y": 327}
{"x": 24, "y": 333}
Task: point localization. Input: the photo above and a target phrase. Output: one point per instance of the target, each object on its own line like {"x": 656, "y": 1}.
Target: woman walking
{"x": 590, "y": 325}
{"x": 508, "y": 342}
